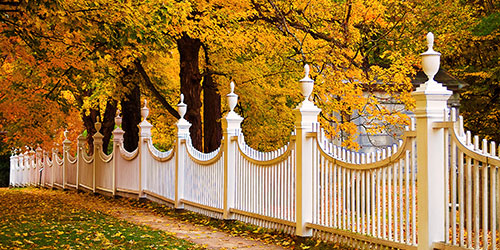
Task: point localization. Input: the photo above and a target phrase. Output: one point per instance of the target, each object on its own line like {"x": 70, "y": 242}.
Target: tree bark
{"x": 108, "y": 123}
{"x": 131, "y": 107}
{"x": 190, "y": 79}
{"x": 212, "y": 129}
{"x": 131, "y": 117}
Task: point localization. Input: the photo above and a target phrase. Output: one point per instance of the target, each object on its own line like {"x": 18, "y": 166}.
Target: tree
{"x": 103, "y": 54}
{"x": 474, "y": 60}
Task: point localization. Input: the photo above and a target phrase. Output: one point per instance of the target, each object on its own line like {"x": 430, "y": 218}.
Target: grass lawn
{"x": 43, "y": 220}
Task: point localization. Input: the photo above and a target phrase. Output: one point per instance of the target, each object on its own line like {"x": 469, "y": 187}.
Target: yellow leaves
{"x": 118, "y": 234}
{"x": 17, "y": 242}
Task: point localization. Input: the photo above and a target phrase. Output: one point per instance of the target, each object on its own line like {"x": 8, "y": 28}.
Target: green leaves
{"x": 487, "y": 25}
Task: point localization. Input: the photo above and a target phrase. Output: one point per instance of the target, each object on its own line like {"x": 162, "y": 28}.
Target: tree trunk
{"x": 131, "y": 117}
{"x": 190, "y": 79}
{"x": 108, "y": 123}
{"x": 212, "y": 129}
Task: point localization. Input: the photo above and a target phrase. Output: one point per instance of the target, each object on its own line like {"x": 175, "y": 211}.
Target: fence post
{"x": 81, "y": 142}
{"x": 431, "y": 100}
{"x": 12, "y": 167}
{"x": 231, "y": 125}
{"x": 66, "y": 148}
{"x": 144, "y": 137}
{"x": 32, "y": 166}
{"x": 54, "y": 163}
{"x": 39, "y": 164}
{"x": 117, "y": 142}
{"x": 182, "y": 135}
{"x": 97, "y": 146}
{"x": 306, "y": 114}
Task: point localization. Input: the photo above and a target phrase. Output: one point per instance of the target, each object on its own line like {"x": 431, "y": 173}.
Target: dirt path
{"x": 202, "y": 235}
{"x": 207, "y": 236}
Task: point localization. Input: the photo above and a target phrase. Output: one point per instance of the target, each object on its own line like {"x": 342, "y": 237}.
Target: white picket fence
{"x": 436, "y": 180}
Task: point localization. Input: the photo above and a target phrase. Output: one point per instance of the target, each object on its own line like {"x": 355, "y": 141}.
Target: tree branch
{"x": 149, "y": 84}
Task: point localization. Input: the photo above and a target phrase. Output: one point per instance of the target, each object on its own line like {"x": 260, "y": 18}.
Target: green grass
{"x": 30, "y": 220}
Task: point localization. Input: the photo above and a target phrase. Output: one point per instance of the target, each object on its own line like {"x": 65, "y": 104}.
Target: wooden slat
{"x": 444, "y": 246}
{"x": 493, "y": 219}
{"x": 407, "y": 196}
{"x": 198, "y": 205}
{"x": 361, "y": 237}
{"x": 461, "y": 202}
{"x": 476, "y": 204}
{"x": 447, "y": 186}
{"x": 484, "y": 194}
{"x": 453, "y": 193}
{"x": 469, "y": 200}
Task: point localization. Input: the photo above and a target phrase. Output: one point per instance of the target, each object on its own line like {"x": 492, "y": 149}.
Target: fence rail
{"x": 437, "y": 179}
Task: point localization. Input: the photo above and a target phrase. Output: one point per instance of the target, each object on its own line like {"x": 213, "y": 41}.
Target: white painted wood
{"x": 461, "y": 201}
{"x": 468, "y": 201}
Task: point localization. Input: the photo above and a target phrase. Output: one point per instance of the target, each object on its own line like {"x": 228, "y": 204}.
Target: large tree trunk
{"x": 190, "y": 79}
{"x": 108, "y": 123}
{"x": 212, "y": 114}
{"x": 131, "y": 109}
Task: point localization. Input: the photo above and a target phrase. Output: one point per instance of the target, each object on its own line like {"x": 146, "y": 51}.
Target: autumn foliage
{"x": 64, "y": 63}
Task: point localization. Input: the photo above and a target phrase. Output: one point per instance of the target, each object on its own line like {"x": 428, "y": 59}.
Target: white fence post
{"x": 54, "y": 163}
{"x": 431, "y": 100}
{"x": 182, "y": 135}
{"x": 39, "y": 165}
{"x": 144, "y": 138}
{"x": 306, "y": 114}
{"x": 117, "y": 142}
{"x": 32, "y": 166}
{"x": 97, "y": 146}
{"x": 66, "y": 148}
{"x": 79, "y": 154}
{"x": 12, "y": 169}
{"x": 231, "y": 125}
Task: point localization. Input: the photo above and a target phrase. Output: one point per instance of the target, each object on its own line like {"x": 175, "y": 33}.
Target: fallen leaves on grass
{"x": 45, "y": 219}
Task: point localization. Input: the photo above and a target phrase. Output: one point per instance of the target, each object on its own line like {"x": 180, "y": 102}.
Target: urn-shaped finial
{"x": 182, "y": 107}
{"x": 118, "y": 119}
{"x": 306, "y": 84}
{"x": 145, "y": 110}
{"x": 232, "y": 98}
{"x": 98, "y": 125}
{"x": 430, "y": 59}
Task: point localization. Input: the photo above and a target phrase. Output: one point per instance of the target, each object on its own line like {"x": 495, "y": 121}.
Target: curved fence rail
{"x": 369, "y": 194}
{"x": 159, "y": 172}
{"x": 204, "y": 180}
{"x": 127, "y": 170}
{"x": 473, "y": 180}
{"x": 265, "y": 187}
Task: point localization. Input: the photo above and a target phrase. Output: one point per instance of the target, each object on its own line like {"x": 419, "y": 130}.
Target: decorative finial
{"x": 232, "y": 98}
{"x": 98, "y": 125}
{"x": 306, "y": 69}
{"x": 430, "y": 40}
{"x": 66, "y": 134}
{"x": 145, "y": 110}
{"x": 430, "y": 60}
{"x": 182, "y": 107}
{"x": 306, "y": 84}
{"x": 118, "y": 118}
